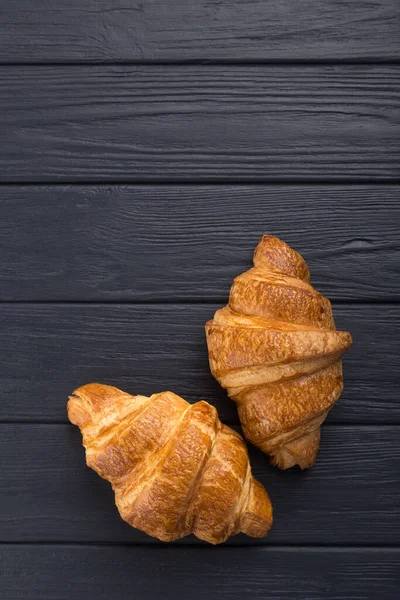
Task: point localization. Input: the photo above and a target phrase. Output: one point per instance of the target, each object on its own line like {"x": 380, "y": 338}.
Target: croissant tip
{"x": 76, "y": 412}
{"x": 257, "y": 518}
{"x": 77, "y": 405}
{"x": 285, "y": 465}
{"x": 268, "y": 236}
{"x": 88, "y": 387}
{"x": 301, "y": 452}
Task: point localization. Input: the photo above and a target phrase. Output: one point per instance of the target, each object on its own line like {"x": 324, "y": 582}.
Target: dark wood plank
{"x": 349, "y": 497}
{"x": 81, "y": 30}
{"x": 47, "y": 350}
{"x": 169, "y": 242}
{"x": 101, "y": 573}
{"x": 199, "y": 123}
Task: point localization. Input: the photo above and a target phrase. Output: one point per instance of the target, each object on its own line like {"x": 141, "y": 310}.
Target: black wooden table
{"x": 144, "y": 148}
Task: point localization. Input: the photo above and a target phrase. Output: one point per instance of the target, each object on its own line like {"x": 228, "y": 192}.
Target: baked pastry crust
{"x": 276, "y": 350}
{"x": 174, "y": 467}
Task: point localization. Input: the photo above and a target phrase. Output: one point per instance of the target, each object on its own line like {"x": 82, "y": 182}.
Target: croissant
{"x": 174, "y": 467}
{"x": 276, "y": 350}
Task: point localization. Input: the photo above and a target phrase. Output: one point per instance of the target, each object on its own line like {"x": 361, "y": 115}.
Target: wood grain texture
{"x": 349, "y": 497}
{"x": 104, "y": 573}
{"x": 81, "y": 30}
{"x": 175, "y": 242}
{"x": 48, "y": 350}
{"x": 193, "y": 92}
{"x": 199, "y": 123}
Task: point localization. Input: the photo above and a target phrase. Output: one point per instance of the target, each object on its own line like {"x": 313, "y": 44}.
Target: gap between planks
{"x": 217, "y": 181}
{"x": 204, "y": 183}
{"x": 209, "y": 62}
{"x": 162, "y": 546}
{"x": 178, "y": 301}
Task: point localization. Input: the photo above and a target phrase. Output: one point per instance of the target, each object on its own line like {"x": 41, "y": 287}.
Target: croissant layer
{"x": 276, "y": 350}
{"x": 174, "y": 467}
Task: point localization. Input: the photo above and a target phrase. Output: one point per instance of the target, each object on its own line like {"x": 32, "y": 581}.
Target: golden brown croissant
{"x": 277, "y": 352}
{"x": 174, "y": 468}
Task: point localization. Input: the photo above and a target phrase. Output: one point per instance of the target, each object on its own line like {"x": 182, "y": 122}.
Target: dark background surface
{"x": 144, "y": 149}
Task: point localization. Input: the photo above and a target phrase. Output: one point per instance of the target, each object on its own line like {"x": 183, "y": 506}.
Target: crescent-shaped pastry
{"x": 276, "y": 350}
{"x": 174, "y": 467}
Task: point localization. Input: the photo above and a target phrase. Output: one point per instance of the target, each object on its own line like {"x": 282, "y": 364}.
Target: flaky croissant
{"x": 174, "y": 468}
{"x": 277, "y": 352}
